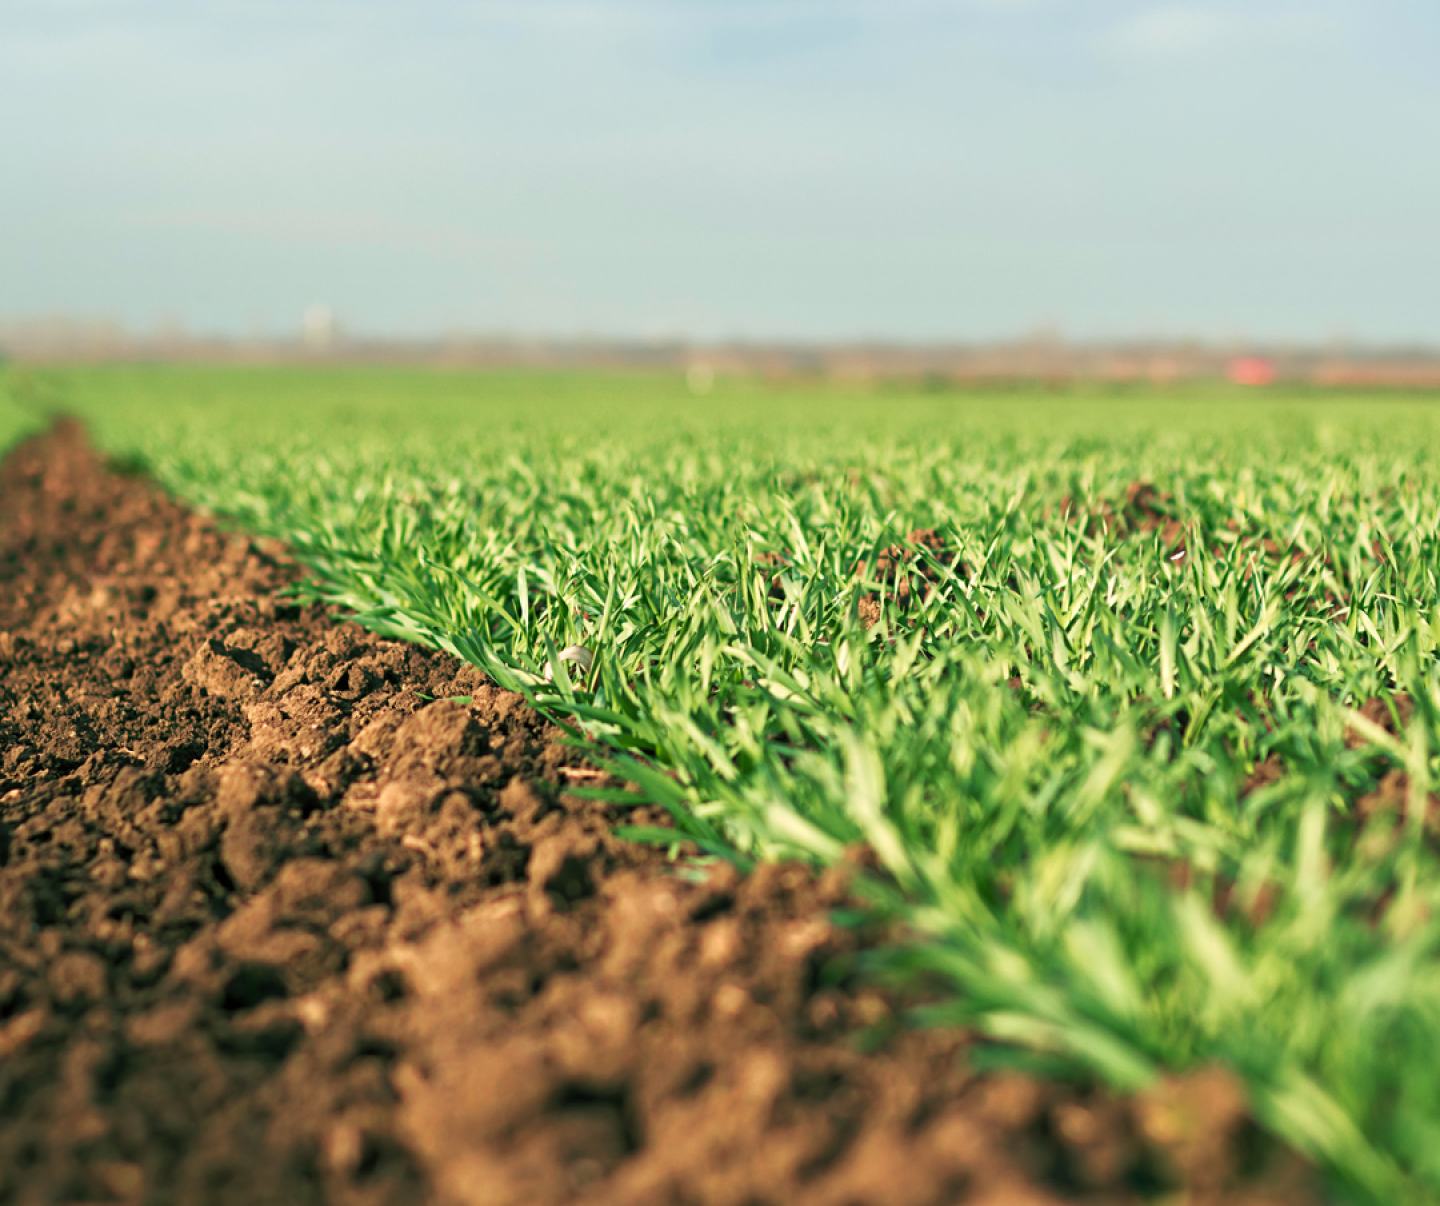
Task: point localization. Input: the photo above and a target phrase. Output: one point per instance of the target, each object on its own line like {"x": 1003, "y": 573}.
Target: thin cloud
{"x": 1188, "y": 30}
{"x": 335, "y": 230}
{"x": 42, "y": 24}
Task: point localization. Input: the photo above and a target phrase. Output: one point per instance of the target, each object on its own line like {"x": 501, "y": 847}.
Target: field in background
{"x": 1133, "y": 695}
{"x": 15, "y": 421}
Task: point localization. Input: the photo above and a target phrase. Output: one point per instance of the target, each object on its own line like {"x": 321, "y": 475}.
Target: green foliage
{"x": 1050, "y": 744}
{"x": 18, "y": 416}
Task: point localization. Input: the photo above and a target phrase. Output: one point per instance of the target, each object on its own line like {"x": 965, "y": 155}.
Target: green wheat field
{"x": 1134, "y": 695}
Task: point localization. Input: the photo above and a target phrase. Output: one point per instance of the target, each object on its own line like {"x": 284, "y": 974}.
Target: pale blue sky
{"x": 796, "y": 168}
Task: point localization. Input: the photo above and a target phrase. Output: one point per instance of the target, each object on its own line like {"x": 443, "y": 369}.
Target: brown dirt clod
{"x": 908, "y": 571}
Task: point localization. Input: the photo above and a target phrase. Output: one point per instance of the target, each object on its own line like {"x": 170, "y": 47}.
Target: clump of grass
{"x": 1112, "y": 786}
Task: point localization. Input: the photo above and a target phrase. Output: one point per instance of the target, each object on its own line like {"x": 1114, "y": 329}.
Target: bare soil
{"x": 282, "y": 921}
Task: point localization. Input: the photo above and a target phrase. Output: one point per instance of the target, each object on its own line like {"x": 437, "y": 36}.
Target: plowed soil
{"x": 283, "y": 921}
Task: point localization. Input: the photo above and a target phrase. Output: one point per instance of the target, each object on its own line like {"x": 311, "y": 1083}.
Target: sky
{"x": 796, "y": 169}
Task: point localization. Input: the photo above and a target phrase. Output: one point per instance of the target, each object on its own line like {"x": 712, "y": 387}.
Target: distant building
{"x": 1251, "y": 370}
{"x": 318, "y": 328}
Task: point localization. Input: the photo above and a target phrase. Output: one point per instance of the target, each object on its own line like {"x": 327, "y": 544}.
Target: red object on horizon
{"x": 1251, "y": 370}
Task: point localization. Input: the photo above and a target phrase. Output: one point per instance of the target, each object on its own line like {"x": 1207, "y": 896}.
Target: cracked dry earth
{"x": 277, "y": 927}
